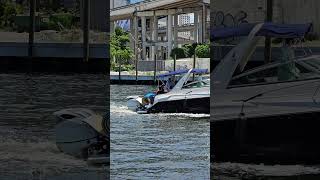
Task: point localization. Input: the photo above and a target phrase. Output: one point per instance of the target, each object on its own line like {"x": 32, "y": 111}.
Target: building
{"x": 184, "y": 20}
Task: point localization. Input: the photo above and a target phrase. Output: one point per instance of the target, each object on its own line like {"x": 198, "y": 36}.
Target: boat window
{"x": 197, "y": 84}
{"x": 294, "y": 70}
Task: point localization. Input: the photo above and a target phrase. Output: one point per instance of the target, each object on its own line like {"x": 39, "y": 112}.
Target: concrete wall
{"x": 167, "y": 65}
{"x": 231, "y": 12}
{"x": 54, "y": 50}
{"x": 201, "y": 63}
{"x": 99, "y": 14}
{"x": 300, "y": 11}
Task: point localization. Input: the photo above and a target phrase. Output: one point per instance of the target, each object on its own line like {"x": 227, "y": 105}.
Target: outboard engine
{"x": 83, "y": 134}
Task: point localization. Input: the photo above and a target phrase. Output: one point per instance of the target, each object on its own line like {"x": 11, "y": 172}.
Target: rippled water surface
{"x": 156, "y": 146}
{"x": 27, "y": 147}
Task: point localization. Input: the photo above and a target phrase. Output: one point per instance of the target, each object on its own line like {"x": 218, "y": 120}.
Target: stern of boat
{"x": 134, "y": 103}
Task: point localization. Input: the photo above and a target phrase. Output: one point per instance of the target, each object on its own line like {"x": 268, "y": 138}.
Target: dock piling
{"x": 174, "y": 62}
{"x": 155, "y": 69}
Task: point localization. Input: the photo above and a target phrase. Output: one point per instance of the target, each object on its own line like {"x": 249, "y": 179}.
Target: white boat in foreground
{"x": 269, "y": 114}
{"x": 190, "y": 95}
{"x": 83, "y": 134}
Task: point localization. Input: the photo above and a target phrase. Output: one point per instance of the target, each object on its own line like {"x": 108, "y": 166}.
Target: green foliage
{"x": 8, "y": 13}
{"x": 189, "y": 49}
{"x": 178, "y": 52}
{"x": 203, "y": 51}
{"x": 8, "y": 10}
{"x": 64, "y": 19}
{"x": 119, "y": 47}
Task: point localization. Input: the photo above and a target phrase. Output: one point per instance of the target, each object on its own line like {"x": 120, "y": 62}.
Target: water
{"x": 27, "y": 139}
{"x": 156, "y": 146}
{"x": 229, "y": 170}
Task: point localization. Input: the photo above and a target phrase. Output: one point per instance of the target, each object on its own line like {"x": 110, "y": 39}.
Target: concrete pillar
{"x": 112, "y": 27}
{"x": 143, "y": 36}
{"x": 196, "y": 24}
{"x": 169, "y": 35}
{"x": 154, "y": 35}
{"x": 200, "y": 26}
{"x": 176, "y": 30}
{"x": 204, "y": 27}
{"x": 132, "y": 40}
{"x": 111, "y": 4}
{"x": 135, "y": 27}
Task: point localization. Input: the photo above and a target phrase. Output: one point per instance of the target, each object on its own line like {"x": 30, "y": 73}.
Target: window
{"x": 294, "y": 70}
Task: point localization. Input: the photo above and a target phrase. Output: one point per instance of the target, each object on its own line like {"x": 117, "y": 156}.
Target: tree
{"x": 203, "y": 51}
{"x": 120, "y": 51}
{"x": 189, "y": 49}
{"x": 178, "y": 52}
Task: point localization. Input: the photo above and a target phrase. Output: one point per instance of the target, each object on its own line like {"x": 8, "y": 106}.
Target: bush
{"x": 203, "y": 51}
{"x": 65, "y": 19}
{"x": 124, "y": 67}
{"x": 179, "y": 52}
{"x": 189, "y": 49}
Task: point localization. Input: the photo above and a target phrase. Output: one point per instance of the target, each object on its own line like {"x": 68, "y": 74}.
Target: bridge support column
{"x": 112, "y": 26}
{"x": 169, "y": 35}
{"x": 176, "y": 30}
{"x": 143, "y": 36}
{"x": 200, "y": 26}
{"x": 204, "y": 29}
{"x": 132, "y": 38}
{"x": 154, "y": 33}
{"x": 195, "y": 30}
{"x": 136, "y": 51}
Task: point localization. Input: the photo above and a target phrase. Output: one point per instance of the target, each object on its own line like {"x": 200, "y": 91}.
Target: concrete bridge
{"x": 153, "y": 42}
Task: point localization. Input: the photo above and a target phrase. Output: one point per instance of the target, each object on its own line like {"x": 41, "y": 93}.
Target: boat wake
{"x": 119, "y": 109}
{"x": 31, "y": 157}
{"x": 189, "y": 115}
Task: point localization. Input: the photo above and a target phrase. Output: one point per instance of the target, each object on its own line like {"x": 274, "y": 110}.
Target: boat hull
{"x": 285, "y": 139}
{"x": 134, "y": 104}
{"x": 194, "y": 105}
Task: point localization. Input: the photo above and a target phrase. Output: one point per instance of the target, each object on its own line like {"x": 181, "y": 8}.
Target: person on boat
{"x": 160, "y": 89}
{"x": 170, "y": 84}
{"x": 288, "y": 70}
{"x": 148, "y": 99}
{"x": 199, "y": 81}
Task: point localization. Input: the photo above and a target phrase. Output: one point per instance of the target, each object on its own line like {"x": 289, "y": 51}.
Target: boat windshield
{"x": 198, "y": 82}
{"x": 298, "y": 69}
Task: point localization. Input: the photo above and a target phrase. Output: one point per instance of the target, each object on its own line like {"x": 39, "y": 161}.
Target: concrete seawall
{"x": 53, "y": 57}
{"x": 52, "y": 65}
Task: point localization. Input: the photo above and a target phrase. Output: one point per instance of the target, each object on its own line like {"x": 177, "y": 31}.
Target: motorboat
{"x": 83, "y": 134}
{"x": 190, "y": 94}
{"x": 268, "y": 114}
